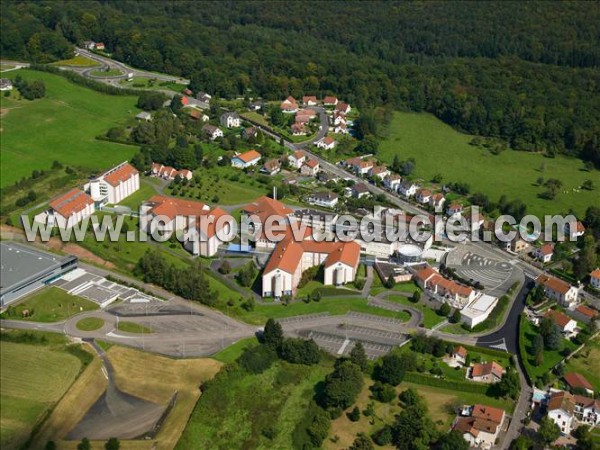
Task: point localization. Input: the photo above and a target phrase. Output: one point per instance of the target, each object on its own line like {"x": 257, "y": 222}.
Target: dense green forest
{"x": 527, "y": 72}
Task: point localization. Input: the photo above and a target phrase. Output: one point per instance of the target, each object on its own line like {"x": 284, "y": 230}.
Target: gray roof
{"x": 232, "y": 114}
{"x": 20, "y": 262}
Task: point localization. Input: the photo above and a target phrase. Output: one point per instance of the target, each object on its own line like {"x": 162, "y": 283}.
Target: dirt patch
{"x": 56, "y": 244}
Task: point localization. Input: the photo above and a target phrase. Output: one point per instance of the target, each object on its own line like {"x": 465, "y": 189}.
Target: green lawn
{"x": 66, "y": 121}
{"x": 106, "y": 73}
{"x": 77, "y": 61}
{"x": 50, "y": 304}
{"x": 430, "y": 317}
{"x": 132, "y": 327}
{"x": 334, "y": 306}
{"x": 587, "y": 363}
{"x": 526, "y": 342}
{"x": 408, "y": 286}
{"x": 236, "y": 408}
{"x": 144, "y": 193}
{"x": 234, "y": 351}
{"x": 90, "y": 324}
{"x": 438, "y": 148}
{"x": 32, "y": 380}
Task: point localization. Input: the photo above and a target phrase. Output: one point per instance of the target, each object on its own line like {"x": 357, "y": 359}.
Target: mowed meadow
{"x": 61, "y": 126}
{"x": 438, "y": 148}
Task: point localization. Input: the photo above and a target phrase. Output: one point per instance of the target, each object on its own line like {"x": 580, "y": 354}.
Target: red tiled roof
{"x": 264, "y": 207}
{"x": 298, "y": 154}
{"x": 248, "y": 156}
{"x": 329, "y": 140}
{"x": 209, "y": 227}
{"x": 587, "y": 311}
{"x": 425, "y": 274}
{"x": 308, "y": 98}
{"x": 553, "y": 283}
{"x": 546, "y": 249}
{"x": 172, "y": 207}
{"x": 330, "y": 99}
{"x": 312, "y": 163}
{"x": 559, "y": 318}
{"x": 595, "y": 273}
{"x": 576, "y": 380}
{"x": 491, "y": 368}
{"x": 561, "y": 400}
{"x": 494, "y": 415}
{"x": 120, "y": 175}
{"x": 461, "y": 351}
{"x": 70, "y": 203}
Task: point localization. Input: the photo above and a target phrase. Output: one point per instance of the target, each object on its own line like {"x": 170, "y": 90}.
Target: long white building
{"x": 67, "y": 210}
{"x": 114, "y": 185}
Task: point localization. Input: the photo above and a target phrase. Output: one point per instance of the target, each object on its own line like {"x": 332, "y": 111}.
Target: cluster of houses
{"x": 337, "y": 111}
{"x": 480, "y": 425}
{"x": 169, "y": 173}
{"x": 572, "y": 407}
{"x": 475, "y": 307}
{"x": 111, "y": 187}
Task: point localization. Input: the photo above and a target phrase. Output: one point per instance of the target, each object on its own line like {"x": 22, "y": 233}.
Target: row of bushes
{"x": 494, "y": 317}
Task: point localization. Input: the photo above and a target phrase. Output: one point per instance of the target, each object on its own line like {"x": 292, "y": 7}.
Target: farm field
{"x": 33, "y": 379}
{"x": 239, "y": 407}
{"x": 437, "y": 148}
{"x": 66, "y": 121}
{"x": 50, "y": 304}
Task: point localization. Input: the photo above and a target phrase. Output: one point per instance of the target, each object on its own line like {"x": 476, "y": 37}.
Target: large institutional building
{"x": 115, "y": 185}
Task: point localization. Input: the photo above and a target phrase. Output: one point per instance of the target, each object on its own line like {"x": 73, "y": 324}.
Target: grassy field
{"x": 234, "y": 351}
{"x": 237, "y": 407}
{"x": 408, "y": 287}
{"x": 144, "y": 193}
{"x": 32, "y": 380}
{"x": 90, "y": 324}
{"x": 77, "y": 61}
{"x": 437, "y": 148}
{"x": 106, "y": 73}
{"x": 50, "y": 304}
{"x": 439, "y": 403}
{"x": 430, "y": 317}
{"x": 67, "y": 121}
{"x": 132, "y": 327}
{"x": 587, "y": 363}
{"x": 526, "y": 343}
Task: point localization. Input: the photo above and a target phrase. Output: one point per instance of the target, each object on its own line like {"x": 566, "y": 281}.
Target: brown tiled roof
{"x": 120, "y": 175}
{"x": 171, "y": 207}
{"x": 491, "y": 368}
{"x": 576, "y": 380}
{"x": 559, "y": 318}
{"x": 70, "y": 203}
{"x": 312, "y": 163}
{"x": 461, "y": 351}
{"x": 587, "y": 311}
{"x": 595, "y": 273}
{"x": 484, "y": 412}
{"x": 248, "y": 156}
{"x": 561, "y": 400}
{"x": 553, "y": 283}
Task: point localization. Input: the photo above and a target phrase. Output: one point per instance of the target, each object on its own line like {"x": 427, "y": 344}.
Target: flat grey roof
{"x": 20, "y": 262}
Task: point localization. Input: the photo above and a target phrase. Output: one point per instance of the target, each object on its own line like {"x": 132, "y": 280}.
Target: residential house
{"x": 89, "y": 45}
{"x": 204, "y": 99}
{"x": 187, "y": 92}
{"x": 326, "y": 143}
{"x": 99, "y": 46}
{"x": 392, "y": 182}
{"x": 5, "y": 84}
{"x": 577, "y": 381}
{"x": 454, "y": 210}
{"x": 423, "y": 196}
{"x": 431, "y": 281}
{"x": 271, "y": 167}
{"x": 144, "y": 115}
{"x": 231, "y": 120}
{"x": 67, "y": 210}
{"x": 297, "y": 159}
{"x": 587, "y": 410}
{"x": 486, "y": 373}
{"x": 517, "y": 245}
{"x": 459, "y": 354}
{"x": 338, "y": 118}
{"x": 561, "y": 410}
{"x": 310, "y": 168}
{"x": 585, "y": 314}
{"x": 363, "y": 167}
{"x": 323, "y": 199}
{"x": 298, "y": 129}
{"x": 558, "y": 290}
{"x": 341, "y": 128}
{"x": 573, "y": 232}
{"x": 212, "y": 132}
{"x": 246, "y": 159}
{"x": 330, "y": 100}
{"x": 564, "y": 322}
{"x": 201, "y": 225}
{"x": 595, "y": 279}
{"x": 114, "y": 185}
{"x": 289, "y": 105}
{"x": 342, "y": 107}
{"x": 436, "y": 201}
{"x": 305, "y": 115}
{"x": 379, "y": 172}
{"x": 326, "y": 177}
{"x": 480, "y": 425}
{"x": 309, "y": 100}
{"x": 255, "y": 106}
{"x": 408, "y": 188}
{"x": 197, "y": 114}
{"x": 250, "y": 133}
{"x": 360, "y": 190}
{"x": 169, "y": 173}
{"x": 544, "y": 253}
